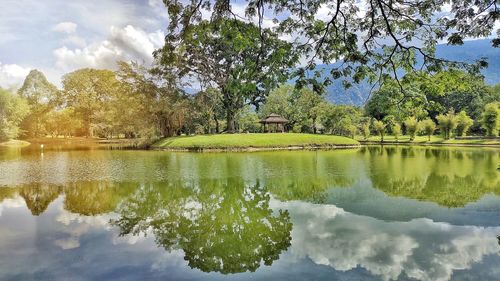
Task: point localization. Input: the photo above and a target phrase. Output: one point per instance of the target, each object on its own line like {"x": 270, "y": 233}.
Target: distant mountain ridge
{"x": 469, "y": 52}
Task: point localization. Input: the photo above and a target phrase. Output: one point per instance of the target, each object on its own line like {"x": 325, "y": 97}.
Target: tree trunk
{"x": 231, "y": 122}
{"x": 217, "y": 128}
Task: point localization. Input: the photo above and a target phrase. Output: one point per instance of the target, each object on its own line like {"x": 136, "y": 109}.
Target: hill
{"x": 470, "y": 51}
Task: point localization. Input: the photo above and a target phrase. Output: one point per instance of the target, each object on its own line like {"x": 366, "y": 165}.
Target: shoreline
{"x": 152, "y": 147}
{"x": 256, "y": 149}
{"x": 369, "y": 143}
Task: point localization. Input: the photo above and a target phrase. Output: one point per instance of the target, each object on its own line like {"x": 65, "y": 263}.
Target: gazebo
{"x": 278, "y": 121}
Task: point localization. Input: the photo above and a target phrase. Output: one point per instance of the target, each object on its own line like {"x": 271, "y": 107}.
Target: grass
{"x": 248, "y": 141}
{"x": 14, "y": 143}
{"x": 425, "y": 140}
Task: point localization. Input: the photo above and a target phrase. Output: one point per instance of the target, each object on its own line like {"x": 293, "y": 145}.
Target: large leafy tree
{"x": 240, "y": 60}
{"x": 12, "y": 111}
{"x": 89, "y": 91}
{"x": 373, "y": 38}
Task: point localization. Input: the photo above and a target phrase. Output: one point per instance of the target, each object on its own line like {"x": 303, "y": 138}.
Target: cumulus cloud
{"x": 65, "y": 27}
{"x": 128, "y": 43}
{"x": 421, "y": 248}
{"x": 12, "y": 75}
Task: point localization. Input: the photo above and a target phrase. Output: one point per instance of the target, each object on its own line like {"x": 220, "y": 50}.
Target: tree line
{"x": 241, "y": 70}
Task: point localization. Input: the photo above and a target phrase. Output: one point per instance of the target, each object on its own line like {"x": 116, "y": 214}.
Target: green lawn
{"x": 14, "y": 143}
{"x": 425, "y": 140}
{"x": 242, "y": 141}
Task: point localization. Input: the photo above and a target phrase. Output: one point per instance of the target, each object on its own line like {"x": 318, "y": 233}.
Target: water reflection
{"x": 390, "y": 213}
{"x": 222, "y": 226}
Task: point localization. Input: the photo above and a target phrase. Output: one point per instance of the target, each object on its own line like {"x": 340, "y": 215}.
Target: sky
{"x": 60, "y": 36}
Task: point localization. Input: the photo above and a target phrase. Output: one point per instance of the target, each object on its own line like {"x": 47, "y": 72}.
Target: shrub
{"x": 379, "y": 126}
{"x": 396, "y": 131}
{"x": 428, "y": 127}
{"x": 490, "y": 119}
{"x": 464, "y": 122}
{"x": 447, "y": 123}
{"x": 412, "y": 125}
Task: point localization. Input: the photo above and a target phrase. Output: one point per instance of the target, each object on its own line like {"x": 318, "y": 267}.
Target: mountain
{"x": 469, "y": 52}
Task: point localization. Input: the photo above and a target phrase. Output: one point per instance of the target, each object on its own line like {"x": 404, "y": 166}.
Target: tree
{"x": 12, "y": 111}
{"x": 464, "y": 122}
{"x": 338, "y": 119}
{"x": 380, "y": 128}
{"x": 396, "y": 131}
{"x": 447, "y": 123}
{"x": 365, "y": 127}
{"x": 42, "y": 97}
{"x": 209, "y": 106}
{"x": 490, "y": 119}
{"x": 89, "y": 91}
{"x": 156, "y": 109}
{"x": 238, "y": 58}
{"x": 428, "y": 126}
{"x": 385, "y": 37}
{"x": 412, "y": 127}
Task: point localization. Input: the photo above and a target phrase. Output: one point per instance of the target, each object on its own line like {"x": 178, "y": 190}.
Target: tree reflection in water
{"x": 223, "y": 226}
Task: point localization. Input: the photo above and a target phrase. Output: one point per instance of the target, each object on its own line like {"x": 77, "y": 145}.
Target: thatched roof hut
{"x": 278, "y": 121}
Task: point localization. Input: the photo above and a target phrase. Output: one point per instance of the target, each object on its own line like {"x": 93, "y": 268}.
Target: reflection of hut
{"x": 276, "y": 120}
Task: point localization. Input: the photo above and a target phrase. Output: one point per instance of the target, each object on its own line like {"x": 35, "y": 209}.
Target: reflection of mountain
{"x": 222, "y": 226}
{"x": 38, "y": 197}
{"x": 420, "y": 249}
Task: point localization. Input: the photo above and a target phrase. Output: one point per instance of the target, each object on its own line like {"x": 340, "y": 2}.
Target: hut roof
{"x": 274, "y": 118}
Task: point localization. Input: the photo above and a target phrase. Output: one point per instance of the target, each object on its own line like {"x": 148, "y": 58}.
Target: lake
{"x": 373, "y": 213}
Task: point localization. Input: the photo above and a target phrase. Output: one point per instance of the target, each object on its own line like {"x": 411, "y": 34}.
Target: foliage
{"x": 339, "y": 119}
{"x": 490, "y": 119}
{"x": 12, "y": 111}
{"x": 365, "y": 127}
{"x": 412, "y": 127}
{"x": 242, "y": 61}
{"x": 428, "y": 127}
{"x": 447, "y": 123}
{"x": 373, "y": 44}
{"x": 87, "y": 91}
{"x": 380, "y": 127}
{"x": 396, "y": 131}
{"x": 464, "y": 122}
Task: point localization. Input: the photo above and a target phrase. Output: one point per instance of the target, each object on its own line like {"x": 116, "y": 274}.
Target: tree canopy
{"x": 243, "y": 62}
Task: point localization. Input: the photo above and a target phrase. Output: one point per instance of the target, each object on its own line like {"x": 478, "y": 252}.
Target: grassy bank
{"x": 14, "y": 143}
{"x": 253, "y": 141}
{"x": 435, "y": 140}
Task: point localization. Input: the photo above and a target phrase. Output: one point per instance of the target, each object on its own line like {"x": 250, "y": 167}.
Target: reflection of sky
{"x": 328, "y": 243}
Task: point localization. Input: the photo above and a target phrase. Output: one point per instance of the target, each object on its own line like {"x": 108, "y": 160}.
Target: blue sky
{"x": 58, "y": 36}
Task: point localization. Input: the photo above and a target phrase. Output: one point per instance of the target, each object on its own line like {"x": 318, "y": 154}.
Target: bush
{"x": 396, "y": 130}
{"x": 464, "y": 122}
{"x": 379, "y": 126}
{"x": 428, "y": 127}
{"x": 412, "y": 126}
{"x": 447, "y": 123}
{"x": 490, "y": 119}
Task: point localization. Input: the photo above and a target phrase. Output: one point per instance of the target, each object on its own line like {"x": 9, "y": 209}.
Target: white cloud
{"x": 65, "y": 27}
{"x": 128, "y": 43}
{"x": 75, "y": 40}
{"x": 421, "y": 248}
{"x": 12, "y": 75}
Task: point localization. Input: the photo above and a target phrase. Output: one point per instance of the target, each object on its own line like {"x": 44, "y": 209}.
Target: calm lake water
{"x": 374, "y": 213}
